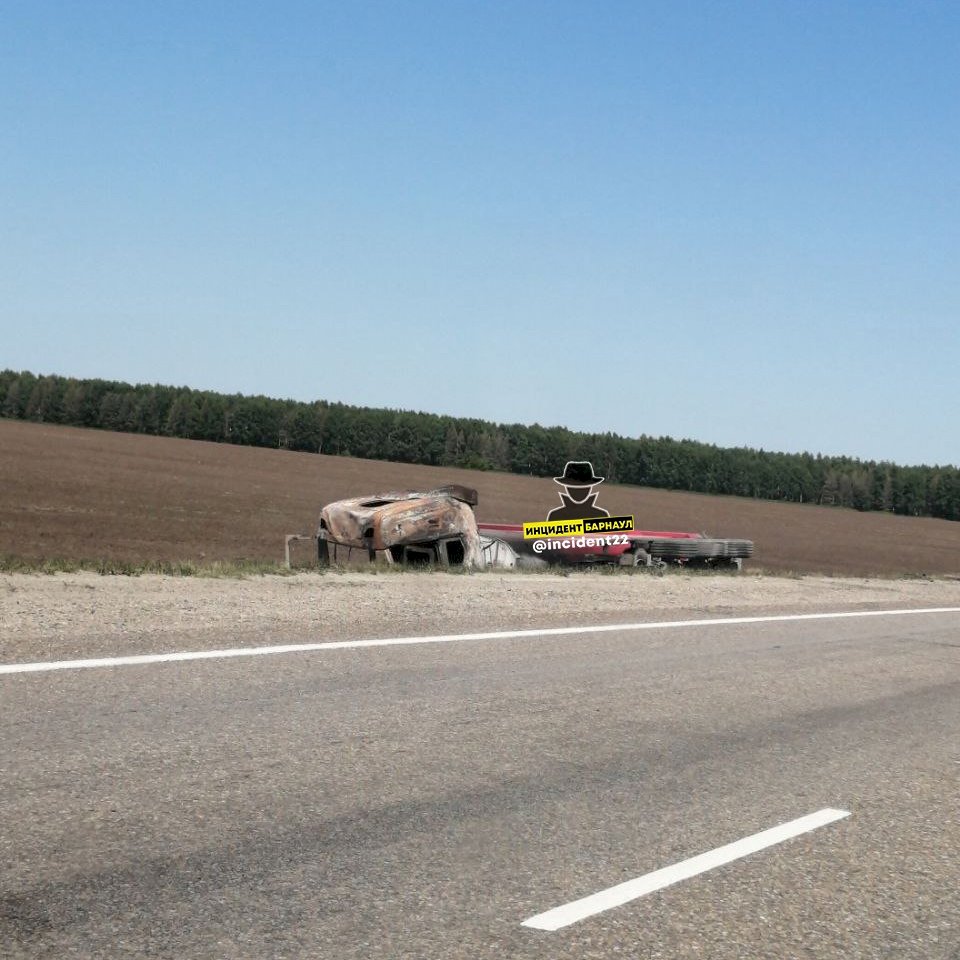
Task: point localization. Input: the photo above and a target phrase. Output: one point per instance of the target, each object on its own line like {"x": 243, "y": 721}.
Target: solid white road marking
{"x": 178, "y": 657}
{"x": 632, "y": 889}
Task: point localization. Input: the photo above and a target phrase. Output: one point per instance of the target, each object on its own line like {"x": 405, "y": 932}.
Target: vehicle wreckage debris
{"x": 439, "y": 527}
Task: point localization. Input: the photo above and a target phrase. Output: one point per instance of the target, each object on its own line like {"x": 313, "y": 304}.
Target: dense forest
{"x": 426, "y": 438}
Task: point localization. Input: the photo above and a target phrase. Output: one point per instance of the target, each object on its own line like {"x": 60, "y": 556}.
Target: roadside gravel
{"x": 51, "y": 617}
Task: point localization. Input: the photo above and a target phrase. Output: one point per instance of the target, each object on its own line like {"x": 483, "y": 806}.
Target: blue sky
{"x": 734, "y": 222}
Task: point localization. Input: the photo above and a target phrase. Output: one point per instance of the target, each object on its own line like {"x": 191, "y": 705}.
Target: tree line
{"x": 425, "y": 438}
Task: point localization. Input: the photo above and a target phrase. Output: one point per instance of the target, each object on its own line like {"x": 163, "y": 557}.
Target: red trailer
{"x": 630, "y": 548}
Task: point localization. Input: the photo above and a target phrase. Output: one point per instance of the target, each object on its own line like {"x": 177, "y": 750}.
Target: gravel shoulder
{"x": 52, "y": 617}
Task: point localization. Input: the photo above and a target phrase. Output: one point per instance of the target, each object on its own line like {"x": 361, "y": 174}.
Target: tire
{"x": 738, "y": 549}
{"x": 708, "y": 549}
{"x": 670, "y": 548}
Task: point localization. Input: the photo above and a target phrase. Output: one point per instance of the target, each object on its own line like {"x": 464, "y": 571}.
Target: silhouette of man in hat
{"x": 578, "y": 503}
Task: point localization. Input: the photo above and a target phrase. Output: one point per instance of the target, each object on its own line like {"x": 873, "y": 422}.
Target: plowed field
{"x": 88, "y": 494}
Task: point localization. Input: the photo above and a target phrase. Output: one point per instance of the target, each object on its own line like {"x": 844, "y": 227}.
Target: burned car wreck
{"x": 410, "y": 526}
{"x": 438, "y": 527}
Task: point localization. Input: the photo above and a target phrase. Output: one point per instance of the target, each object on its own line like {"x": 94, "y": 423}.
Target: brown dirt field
{"x": 88, "y": 494}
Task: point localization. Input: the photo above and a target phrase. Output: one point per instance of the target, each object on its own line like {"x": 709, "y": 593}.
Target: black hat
{"x": 578, "y": 473}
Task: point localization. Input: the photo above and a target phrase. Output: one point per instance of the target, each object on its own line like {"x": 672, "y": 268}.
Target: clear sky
{"x": 735, "y": 222}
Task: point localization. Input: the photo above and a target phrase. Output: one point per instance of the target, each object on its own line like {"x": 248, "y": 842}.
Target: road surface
{"x": 425, "y": 800}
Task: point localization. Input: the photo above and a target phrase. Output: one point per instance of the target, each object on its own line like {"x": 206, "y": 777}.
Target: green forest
{"x": 426, "y": 438}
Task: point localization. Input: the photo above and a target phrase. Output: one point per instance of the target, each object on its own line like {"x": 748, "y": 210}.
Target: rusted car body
{"x": 408, "y": 526}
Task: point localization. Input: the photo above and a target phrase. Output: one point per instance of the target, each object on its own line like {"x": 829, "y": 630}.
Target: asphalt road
{"x": 423, "y": 801}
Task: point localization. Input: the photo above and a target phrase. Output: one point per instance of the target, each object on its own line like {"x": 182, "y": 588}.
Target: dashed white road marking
{"x": 623, "y": 893}
{"x": 182, "y": 656}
